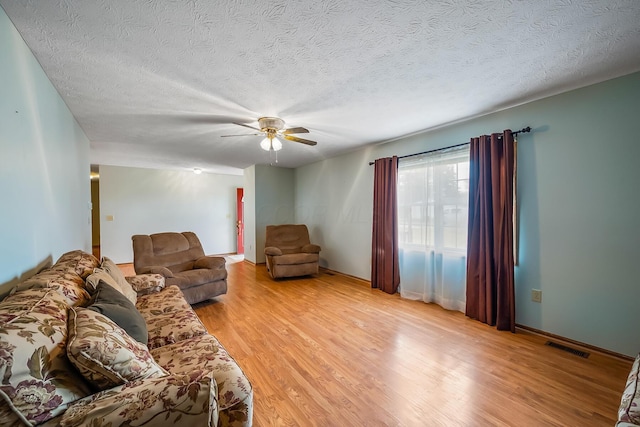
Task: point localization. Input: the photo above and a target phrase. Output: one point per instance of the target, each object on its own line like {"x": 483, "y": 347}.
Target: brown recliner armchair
{"x": 288, "y": 251}
{"x": 179, "y": 257}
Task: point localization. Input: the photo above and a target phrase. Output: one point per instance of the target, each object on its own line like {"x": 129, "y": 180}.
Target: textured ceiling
{"x": 155, "y": 83}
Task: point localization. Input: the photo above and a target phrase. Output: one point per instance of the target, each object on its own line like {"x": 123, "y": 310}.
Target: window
{"x": 433, "y": 197}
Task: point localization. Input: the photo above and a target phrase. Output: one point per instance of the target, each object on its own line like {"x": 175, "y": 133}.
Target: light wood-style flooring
{"x": 330, "y": 351}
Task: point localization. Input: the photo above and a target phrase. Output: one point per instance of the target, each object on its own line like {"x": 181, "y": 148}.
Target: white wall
{"x": 147, "y": 201}
{"x": 44, "y": 166}
{"x": 578, "y": 179}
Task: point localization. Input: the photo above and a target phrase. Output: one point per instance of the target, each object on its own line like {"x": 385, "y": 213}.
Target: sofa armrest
{"x": 272, "y": 250}
{"x": 156, "y": 269}
{"x": 311, "y": 249}
{"x": 145, "y": 284}
{"x": 179, "y": 400}
{"x": 210, "y": 262}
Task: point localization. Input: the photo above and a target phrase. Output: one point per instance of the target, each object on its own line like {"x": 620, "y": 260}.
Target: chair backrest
{"x": 176, "y": 251}
{"x": 289, "y": 238}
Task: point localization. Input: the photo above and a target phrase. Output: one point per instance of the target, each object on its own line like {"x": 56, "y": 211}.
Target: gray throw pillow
{"x": 111, "y": 303}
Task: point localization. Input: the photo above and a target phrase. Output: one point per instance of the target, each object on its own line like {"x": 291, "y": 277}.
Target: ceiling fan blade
{"x": 243, "y": 134}
{"x": 247, "y": 126}
{"x": 296, "y": 139}
{"x": 295, "y": 130}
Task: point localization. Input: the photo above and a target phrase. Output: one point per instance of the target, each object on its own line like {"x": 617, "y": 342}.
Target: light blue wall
{"x": 334, "y": 199}
{"x": 269, "y": 200}
{"x": 274, "y": 201}
{"x": 578, "y": 180}
{"x": 44, "y": 166}
{"x": 147, "y": 201}
{"x": 250, "y": 214}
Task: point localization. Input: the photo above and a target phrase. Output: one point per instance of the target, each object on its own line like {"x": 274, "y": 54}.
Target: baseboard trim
{"x": 576, "y": 343}
{"x": 359, "y": 279}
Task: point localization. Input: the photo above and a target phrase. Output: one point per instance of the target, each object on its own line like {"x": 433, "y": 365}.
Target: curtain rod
{"x": 523, "y": 130}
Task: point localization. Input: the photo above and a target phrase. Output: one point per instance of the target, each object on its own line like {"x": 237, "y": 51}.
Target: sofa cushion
{"x": 67, "y": 283}
{"x": 188, "y": 400}
{"x": 38, "y": 381}
{"x": 77, "y": 261}
{"x": 188, "y": 278}
{"x": 298, "y": 258}
{"x": 115, "y": 272}
{"x": 630, "y": 405}
{"x": 234, "y": 390}
{"x": 117, "y": 307}
{"x": 103, "y": 352}
{"x": 169, "y": 317}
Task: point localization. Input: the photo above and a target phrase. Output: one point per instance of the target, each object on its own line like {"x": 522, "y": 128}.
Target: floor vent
{"x": 567, "y": 349}
{"x": 329, "y": 273}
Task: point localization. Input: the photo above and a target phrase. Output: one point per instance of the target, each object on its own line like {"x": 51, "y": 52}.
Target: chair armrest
{"x": 210, "y": 262}
{"x": 178, "y": 400}
{"x": 311, "y": 249}
{"x": 156, "y": 269}
{"x": 145, "y": 284}
{"x": 272, "y": 250}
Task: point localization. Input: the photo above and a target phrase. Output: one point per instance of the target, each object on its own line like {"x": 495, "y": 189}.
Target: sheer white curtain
{"x": 433, "y": 199}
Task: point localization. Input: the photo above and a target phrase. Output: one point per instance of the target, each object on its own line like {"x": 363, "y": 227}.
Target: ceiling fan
{"x": 272, "y": 128}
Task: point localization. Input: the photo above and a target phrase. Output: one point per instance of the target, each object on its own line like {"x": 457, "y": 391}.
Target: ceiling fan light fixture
{"x": 265, "y": 144}
{"x": 276, "y": 144}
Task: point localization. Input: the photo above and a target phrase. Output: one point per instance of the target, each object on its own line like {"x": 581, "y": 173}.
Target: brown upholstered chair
{"x": 179, "y": 257}
{"x": 288, "y": 251}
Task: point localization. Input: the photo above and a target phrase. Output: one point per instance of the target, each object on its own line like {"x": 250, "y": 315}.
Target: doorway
{"x": 95, "y": 210}
{"x": 240, "y": 220}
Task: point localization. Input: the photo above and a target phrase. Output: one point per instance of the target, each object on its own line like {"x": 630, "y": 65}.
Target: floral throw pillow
{"x": 103, "y": 352}
{"x": 37, "y": 380}
{"x": 630, "y": 404}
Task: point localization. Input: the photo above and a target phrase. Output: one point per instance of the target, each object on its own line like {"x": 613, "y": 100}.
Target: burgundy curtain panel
{"x": 490, "y": 259}
{"x": 385, "y": 266}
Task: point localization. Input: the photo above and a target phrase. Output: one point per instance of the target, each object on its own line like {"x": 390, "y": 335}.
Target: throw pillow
{"x": 115, "y": 272}
{"x": 117, "y": 307}
{"x": 38, "y": 382}
{"x": 103, "y": 352}
{"x": 99, "y": 275}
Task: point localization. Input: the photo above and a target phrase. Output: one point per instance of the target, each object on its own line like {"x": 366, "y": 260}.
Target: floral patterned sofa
{"x": 629, "y": 412}
{"x": 65, "y": 362}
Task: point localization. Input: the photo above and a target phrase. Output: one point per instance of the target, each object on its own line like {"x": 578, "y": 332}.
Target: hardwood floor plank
{"x": 330, "y": 351}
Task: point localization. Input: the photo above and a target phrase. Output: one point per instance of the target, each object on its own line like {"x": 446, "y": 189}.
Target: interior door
{"x": 240, "y": 219}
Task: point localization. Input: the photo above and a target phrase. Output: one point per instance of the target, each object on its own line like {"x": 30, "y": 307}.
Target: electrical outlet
{"x": 536, "y": 295}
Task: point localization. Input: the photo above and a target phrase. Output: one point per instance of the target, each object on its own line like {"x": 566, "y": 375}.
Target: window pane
{"x": 433, "y": 193}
